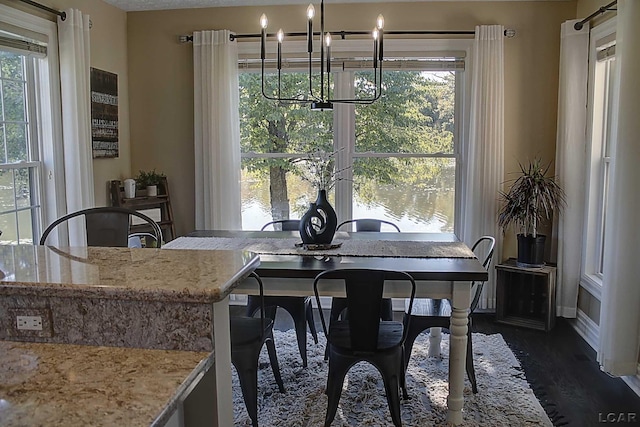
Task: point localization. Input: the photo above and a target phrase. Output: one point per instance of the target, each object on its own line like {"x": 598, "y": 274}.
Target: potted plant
{"x": 149, "y": 180}
{"x": 532, "y": 198}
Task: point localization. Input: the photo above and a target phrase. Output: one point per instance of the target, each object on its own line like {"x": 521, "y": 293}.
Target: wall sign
{"x": 104, "y": 114}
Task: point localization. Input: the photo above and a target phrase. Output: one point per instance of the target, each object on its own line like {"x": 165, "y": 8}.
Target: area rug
{"x": 504, "y": 397}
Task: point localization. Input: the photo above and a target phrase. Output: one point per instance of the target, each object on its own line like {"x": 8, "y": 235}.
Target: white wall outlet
{"x": 29, "y": 323}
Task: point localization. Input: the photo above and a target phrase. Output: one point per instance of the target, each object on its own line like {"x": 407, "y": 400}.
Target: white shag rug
{"x": 504, "y": 397}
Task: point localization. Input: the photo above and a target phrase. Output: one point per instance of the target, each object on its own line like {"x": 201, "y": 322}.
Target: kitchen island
{"x": 125, "y": 300}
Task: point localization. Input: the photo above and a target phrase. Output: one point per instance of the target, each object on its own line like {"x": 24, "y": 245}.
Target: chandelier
{"x": 322, "y": 100}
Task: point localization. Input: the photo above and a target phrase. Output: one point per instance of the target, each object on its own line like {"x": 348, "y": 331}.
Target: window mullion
{"x": 344, "y": 143}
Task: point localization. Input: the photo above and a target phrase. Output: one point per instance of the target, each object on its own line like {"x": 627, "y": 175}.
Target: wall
{"x": 161, "y": 74}
{"x": 109, "y": 53}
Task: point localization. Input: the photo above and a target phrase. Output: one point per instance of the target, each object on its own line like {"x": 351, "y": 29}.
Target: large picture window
{"x": 397, "y": 157}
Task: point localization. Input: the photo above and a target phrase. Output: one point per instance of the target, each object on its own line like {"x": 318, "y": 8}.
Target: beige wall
{"x": 109, "y": 53}
{"x": 161, "y": 73}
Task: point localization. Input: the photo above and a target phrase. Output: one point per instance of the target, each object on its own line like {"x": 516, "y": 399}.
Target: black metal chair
{"x": 368, "y": 224}
{"x": 364, "y": 337}
{"x": 108, "y": 226}
{"x": 248, "y": 335}
{"x": 283, "y": 224}
{"x": 338, "y": 305}
{"x": 299, "y": 308}
{"x": 428, "y": 313}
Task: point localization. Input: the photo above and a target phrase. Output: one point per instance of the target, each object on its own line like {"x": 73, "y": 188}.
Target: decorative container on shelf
{"x": 318, "y": 224}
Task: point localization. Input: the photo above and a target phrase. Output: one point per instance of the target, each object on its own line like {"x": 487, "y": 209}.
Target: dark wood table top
{"x": 297, "y": 266}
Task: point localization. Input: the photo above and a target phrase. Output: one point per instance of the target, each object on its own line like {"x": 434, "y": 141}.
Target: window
{"x": 20, "y": 169}
{"x": 30, "y": 137}
{"x": 397, "y": 158}
{"x": 603, "y": 81}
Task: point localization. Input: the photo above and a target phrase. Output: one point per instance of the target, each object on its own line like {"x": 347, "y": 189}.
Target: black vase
{"x": 318, "y": 224}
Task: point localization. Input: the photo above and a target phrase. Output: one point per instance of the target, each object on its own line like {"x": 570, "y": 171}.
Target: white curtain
{"x": 217, "y": 131}
{"x": 571, "y": 162}
{"x": 74, "y": 39}
{"x": 620, "y": 313}
{"x": 484, "y": 154}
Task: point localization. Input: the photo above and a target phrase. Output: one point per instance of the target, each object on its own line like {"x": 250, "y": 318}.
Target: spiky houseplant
{"x": 531, "y": 199}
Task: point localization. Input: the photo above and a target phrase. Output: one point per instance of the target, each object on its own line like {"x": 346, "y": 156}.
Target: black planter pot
{"x": 318, "y": 224}
{"x": 530, "y": 250}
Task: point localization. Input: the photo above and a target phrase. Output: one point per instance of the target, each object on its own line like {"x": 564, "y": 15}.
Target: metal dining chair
{"x": 338, "y": 305}
{"x": 369, "y": 224}
{"x": 248, "y": 335}
{"x": 108, "y": 226}
{"x": 426, "y": 313}
{"x": 363, "y": 336}
{"x": 299, "y": 308}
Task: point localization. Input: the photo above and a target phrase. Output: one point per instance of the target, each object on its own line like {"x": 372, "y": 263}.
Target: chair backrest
{"x": 368, "y": 224}
{"x": 107, "y": 226}
{"x": 364, "y": 289}
{"x": 261, "y": 287}
{"x": 483, "y": 248}
{"x": 285, "y": 225}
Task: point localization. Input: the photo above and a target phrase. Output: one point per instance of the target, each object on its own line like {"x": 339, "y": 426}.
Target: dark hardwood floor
{"x": 562, "y": 370}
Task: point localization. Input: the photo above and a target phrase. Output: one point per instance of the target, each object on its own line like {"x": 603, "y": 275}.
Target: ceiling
{"x": 141, "y": 5}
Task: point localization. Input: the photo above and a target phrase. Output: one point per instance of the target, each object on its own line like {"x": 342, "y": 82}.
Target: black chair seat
{"x": 389, "y": 335}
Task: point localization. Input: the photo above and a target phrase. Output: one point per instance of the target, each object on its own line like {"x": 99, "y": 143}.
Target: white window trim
{"x": 591, "y": 280}
{"x": 49, "y": 119}
{"x": 406, "y": 48}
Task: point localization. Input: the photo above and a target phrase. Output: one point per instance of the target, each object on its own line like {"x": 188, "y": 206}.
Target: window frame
{"x": 47, "y": 116}
{"x": 344, "y": 117}
{"x": 601, "y": 137}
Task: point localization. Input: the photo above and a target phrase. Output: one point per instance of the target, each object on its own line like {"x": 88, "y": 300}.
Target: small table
{"x": 526, "y": 296}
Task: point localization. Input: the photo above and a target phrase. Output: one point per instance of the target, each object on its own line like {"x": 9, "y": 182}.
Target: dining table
{"x": 442, "y": 265}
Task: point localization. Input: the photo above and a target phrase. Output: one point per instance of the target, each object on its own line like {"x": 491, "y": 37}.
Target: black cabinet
{"x": 526, "y": 296}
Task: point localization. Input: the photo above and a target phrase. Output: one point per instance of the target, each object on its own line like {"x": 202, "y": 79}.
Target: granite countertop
{"x": 123, "y": 273}
{"x": 62, "y": 385}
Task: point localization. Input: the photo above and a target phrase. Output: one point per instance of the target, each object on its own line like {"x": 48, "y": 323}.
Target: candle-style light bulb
{"x": 327, "y": 43}
{"x": 280, "y": 36}
{"x": 311, "y": 11}
{"x": 264, "y": 21}
{"x": 375, "y": 35}
{"x": 263, "y": 36}
{"x": 380, "y": 22}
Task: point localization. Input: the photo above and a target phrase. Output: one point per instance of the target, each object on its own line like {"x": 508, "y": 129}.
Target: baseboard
{"x": 633, "y": 382}
{"x": 587, "y": 329}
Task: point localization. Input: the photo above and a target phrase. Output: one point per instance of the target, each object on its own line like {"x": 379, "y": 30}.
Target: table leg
{"x": 222, "y": 356}
{"x": 458, "y": 350}
{"x": 435, "y": 338}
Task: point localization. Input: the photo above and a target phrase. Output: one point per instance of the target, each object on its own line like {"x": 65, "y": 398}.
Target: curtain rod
{"x": 62, "y": 15}
{"x": 509, "y": 33}
{"x": 578, "y": 25}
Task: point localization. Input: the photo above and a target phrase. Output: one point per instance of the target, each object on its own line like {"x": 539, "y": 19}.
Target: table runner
{"x": 362, "y": 248}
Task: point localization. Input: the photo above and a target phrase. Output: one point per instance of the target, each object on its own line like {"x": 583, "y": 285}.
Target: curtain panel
{"x": 619, "y": 315}
{"x": 217, "y": 131}
{"x": 571, "y": 162}
{"x": 484, "y": 153}
{"x": 75, "y": 59}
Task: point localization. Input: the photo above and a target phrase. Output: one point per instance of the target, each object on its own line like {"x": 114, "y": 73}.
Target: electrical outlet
{"x": 29, "y": 323}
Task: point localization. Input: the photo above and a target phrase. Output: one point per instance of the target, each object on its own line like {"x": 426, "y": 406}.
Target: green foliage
{"x": 13, "y": 118}
{"x": 532, "y": 198}
{"x": 414, "y": 115}
{"x": 145, "y": 179}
